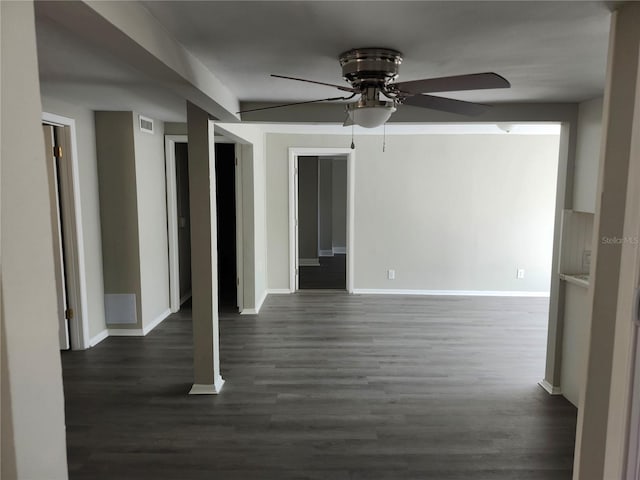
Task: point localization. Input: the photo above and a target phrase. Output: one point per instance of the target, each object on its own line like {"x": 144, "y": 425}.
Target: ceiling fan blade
{"x": 339, "y": 87}
{"x": 473, "y": 81}
{"x": 446, "y": 104}
{"x": 291, "y": 104}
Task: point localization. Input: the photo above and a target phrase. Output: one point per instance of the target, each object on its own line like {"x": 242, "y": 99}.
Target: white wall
{"x": 32, "y": 402}
{"x": 588, "y": 145}
{"x": 90, "y": 202}
{"x": 447, "y": 212}
{"x": 152, "y": 221}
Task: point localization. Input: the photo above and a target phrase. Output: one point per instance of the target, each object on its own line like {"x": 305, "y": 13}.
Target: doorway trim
{"x": 294, "y": 153}
{"x": 71, "y": 205}
{"x": 239, "y": 230}
{"x": 172, "y": 221}
{"x": 172, "y": 218}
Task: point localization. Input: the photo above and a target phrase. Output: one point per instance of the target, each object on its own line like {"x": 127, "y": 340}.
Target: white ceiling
{"x": 550, "y": 51}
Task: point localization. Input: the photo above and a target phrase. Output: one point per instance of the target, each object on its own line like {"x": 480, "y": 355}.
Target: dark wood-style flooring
{"x": 331, "y": 274}
{"x": 327, "y": 386}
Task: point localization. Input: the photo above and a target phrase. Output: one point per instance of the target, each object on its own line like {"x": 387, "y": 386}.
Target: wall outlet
{"x": 586, "y": 260}
{"x": 520, "y": 274}
{"x": 391, "y": 274}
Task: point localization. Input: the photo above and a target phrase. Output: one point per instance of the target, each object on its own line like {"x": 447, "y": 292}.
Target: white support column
{"x": 564, "y": 196}
{"x": 606, "y": 291}
{"x": 32, "y": 402}
{"x": 204, "y": 256}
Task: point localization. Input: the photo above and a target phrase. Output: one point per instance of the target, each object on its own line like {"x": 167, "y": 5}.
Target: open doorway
{"x": 184, "y": 220}
{"x": 321, "y": 218}
{"x": 322, "y": 222}
{"x": 66, "y": 225}
{"x": 225, "y": 159}
{"x": 229, "y": 227}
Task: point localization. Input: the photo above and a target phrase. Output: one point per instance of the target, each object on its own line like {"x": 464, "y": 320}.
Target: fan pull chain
{"x": 384, "y": 136}
{"x": 353, "y": 145}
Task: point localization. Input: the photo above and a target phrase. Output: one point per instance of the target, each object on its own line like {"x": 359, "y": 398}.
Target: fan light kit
{"x": 372, "y": 73}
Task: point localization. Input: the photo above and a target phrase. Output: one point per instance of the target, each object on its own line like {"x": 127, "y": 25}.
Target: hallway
{"x": 327, "y": 386}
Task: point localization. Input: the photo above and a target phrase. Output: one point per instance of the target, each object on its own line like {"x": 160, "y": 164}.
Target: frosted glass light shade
{"x": 371, "y": 116}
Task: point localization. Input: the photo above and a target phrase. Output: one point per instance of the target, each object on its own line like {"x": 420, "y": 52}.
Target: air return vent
{"x": 146, "y": 124}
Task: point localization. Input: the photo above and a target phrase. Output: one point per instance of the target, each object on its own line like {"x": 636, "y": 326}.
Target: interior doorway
{"x": 225, "y": 158}
{"x": 184, "y": 220}
{"x": 229, "y": 225}
{"x": 321, "y": 218}
{"x": 322, "y": 222}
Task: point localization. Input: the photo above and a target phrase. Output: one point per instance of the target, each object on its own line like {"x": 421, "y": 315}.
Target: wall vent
{"x": 146, "y": 124}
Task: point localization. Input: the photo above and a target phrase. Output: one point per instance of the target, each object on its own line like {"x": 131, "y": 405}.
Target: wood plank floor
{"x": 328, "y": 386}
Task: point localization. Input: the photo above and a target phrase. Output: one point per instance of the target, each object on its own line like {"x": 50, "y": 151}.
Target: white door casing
{"x": 294, "y": 153}
{"x": 71, "y": 210}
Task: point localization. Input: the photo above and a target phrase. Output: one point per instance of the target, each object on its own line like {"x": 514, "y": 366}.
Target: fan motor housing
{"x": 370, "y": 66}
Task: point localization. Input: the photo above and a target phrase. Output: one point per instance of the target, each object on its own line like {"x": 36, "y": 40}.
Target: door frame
{"x": 71, "y": 206}
{"x": 294, "y": 153}
{"x": 172, "y": 218}
{"x": 172, "y": 222}
{"x": 629, "y": 302}
{"x": 239, "y": 231}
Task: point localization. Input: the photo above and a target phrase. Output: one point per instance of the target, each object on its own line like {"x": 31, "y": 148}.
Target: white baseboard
{"x": 340, "y": 250}
{"x": 309, "y": 262}
{"x": 326, "y": 253}
{"x": 551, "y": 390}
{"x": 278, "y": 291}
{"x": 139, "y": 332}
{"x": 460, "y": 293}
{"x": 125, "y": 332}
{"x": 156, "y": 321}
{"x": 261, "y": 301}
{"x": 255, "y": 311}
{"x": 207, "y": 389}
{"x": 93, "y": 341}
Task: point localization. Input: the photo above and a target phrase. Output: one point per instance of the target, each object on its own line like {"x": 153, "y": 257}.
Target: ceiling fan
{"x": 372, "y": 73}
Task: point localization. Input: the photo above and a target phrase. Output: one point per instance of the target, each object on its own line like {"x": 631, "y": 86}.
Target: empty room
{"x": 323, "y": 240}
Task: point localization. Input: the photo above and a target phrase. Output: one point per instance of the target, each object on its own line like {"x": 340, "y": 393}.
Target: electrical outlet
{"x": 391, "y": 274}
{"x": 520, "y": 274}
{"x": 586, "y": 260}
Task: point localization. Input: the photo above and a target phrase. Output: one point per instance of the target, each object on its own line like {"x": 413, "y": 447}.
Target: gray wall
{"x": 32, "y": 403}
{"x": 89, "y": 204}
{"x": 588, "y": 145}
{"x": 339, "y": 205}
{"x": 118, "y": 209}
{"x": 133, "y": 216}
{"x": 308, "y": 207}
{"x": 447, "y": 212}
{"x": 325, "y": 205}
